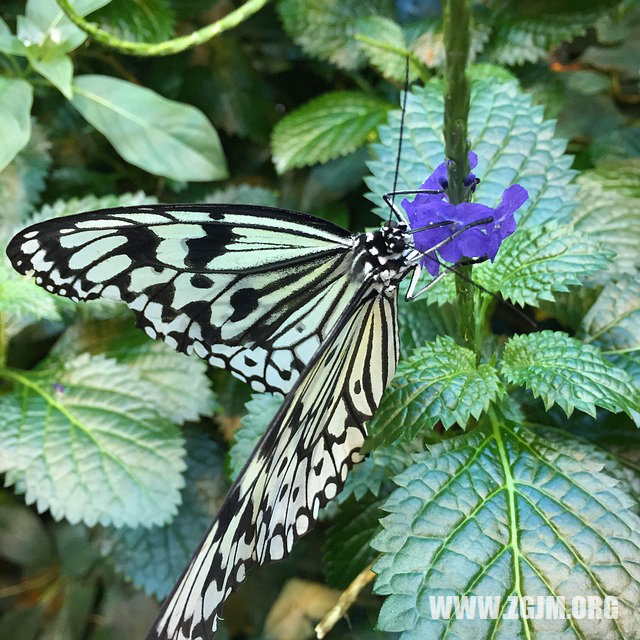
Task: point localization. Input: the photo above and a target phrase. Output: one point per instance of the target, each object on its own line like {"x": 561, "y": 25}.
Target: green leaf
{"x": 373, "y": 475}
{"x": 613, "y": 322}
{"x": 569, "y": 308}
{"x": 86, "y": 442}
{"x": 45, "y": 29}
{"x": 326, "y": 28}
{"x": 537, "y": 261}
{"x": 562, "y": 370}
{"x": 384, "y": 44}
{"x": 9, "y": 43}
{"x": 154, "y": 558}
{"x": 16, "y": 97}
{"x": 24, "y": 539}
{"x": 161, "y": 136}
{"x": 609, "y": 210}
{"x": 243, "y": 194}
{"x": 58, "y": 70}
{"x": 513, "y": 142}
{"x": 346, "y": 551}
{"x": 141, "y": 20}
{"x": 439, "y": 382}
{"x": 325, "y": 128}
{"x": 260, "y": 410}
{"x": 501, "y": 512}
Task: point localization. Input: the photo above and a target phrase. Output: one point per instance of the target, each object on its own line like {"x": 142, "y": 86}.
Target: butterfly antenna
{"x": 499, "y": 298}
{"x": 404, "y": 110}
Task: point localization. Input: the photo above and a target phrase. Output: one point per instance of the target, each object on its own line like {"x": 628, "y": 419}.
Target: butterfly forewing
{"x": 298, "y": 466}
{"x": 252, "y": 289}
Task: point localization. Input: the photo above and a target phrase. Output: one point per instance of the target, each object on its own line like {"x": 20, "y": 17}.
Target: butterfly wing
{"x": 298, "y": 466}
{"x": 252, "y": 289}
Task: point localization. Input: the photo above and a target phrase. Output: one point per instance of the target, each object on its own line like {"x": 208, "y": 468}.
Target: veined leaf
{"x": 325, "y": 128}
{"x": 16, "y": 97}
{"x": 501, "y": 512}
{"x": 513, "y": 142}
{"x": 86, "y": 443}
{"x": 346, "y": 551}
{"x": 154, "y": 558}
{"x": 609, "y": 210}
{"x": 243, "y": 194}
{"x": 23, "y": 298}
{"x": 535, "y": 262}
{"x": 161, "y": 136}
{"x": 562, "y": 370}
{"x": 613, "y": 322}
{"x": 325, "y": 28}
{"x": 386, "y": 48}
{"x": 439, "y": 382}
{"x": 260, "y": 410}
{"x": 373, "y": 475}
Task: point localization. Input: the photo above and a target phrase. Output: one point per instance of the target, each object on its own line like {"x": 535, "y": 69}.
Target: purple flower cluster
{"x": 477, "y": 242}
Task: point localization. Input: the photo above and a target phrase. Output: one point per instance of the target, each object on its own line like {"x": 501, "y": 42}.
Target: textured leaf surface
{"x": 243, "y": 194}
{"x": 325, "y": 128}
{"x": 347, "y": 552}
{"x": 260, "y": 410}
{"x": 154, "y": 558}
{"x": 537, "y": 261}
{"x": 326, "y": 28}
{"x": 513, "y": 142}
{"x": 439, "y": 382}
{"x": 613, "y": 322}
{"x": 86, "y": 442}
{"x": 609, "y": 210}
{"x": 16, "y": 97}
{"x": 373, "y": 475}
{"x": 562, "y": 370}
{"x": 502, "y": 512}
{"x": 161, "y": 136}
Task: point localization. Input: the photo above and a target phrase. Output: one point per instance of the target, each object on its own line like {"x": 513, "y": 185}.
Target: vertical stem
{"x": 457, "y": 36}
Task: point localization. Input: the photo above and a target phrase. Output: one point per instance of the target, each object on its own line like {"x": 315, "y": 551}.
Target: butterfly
{"x": 285, "y": 301}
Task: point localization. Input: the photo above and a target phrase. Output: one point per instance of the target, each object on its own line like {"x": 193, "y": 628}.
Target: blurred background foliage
{"x": 281, "y": 111}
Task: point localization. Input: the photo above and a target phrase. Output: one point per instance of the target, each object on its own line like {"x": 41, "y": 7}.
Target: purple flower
{"x": 477, "y": 242}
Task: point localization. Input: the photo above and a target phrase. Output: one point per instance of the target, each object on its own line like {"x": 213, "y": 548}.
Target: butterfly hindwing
{"x": 298, "y": 466}
{"x": 252, "y": 289}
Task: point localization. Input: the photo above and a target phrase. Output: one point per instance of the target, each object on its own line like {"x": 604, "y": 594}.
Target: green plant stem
{"x": 168, "y": 47}
{"x": 457, "y": 36}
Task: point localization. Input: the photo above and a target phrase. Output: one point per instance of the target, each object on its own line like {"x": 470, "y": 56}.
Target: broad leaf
{"x": 325, "y": 128}
{"x": 143, "y": 20}
{"x": 610, "y": 211}
{"x": 45, "y": 27}
{"x": 535, "y": 262}
{"x": 513, "y": 142}
{"x": 613, "y": 322}
{"x": 260, "y": 410}
{"x": 161, "y": 136}
{"x": 154, "y": 558}
{"x": 384, "y": 44}
{"x": 57, "y": 70}
{"x": 23, "y": 298}
{"x": 346, "y": 551}
{"x": 438, "y": 383}
{"x": 9, "y": 43}
{"x": 562, "y": 370}
{"x": 325, "y": 28}
{"x": 85, "y": 442}
{"x": 373, "y": 475}
{"x": 501, "y": 512}
{"x": 16, "y": 97}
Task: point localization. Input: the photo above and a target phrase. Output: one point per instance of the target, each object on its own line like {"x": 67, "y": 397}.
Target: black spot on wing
{"x": 201, "y": 282}
{"x": 243, "y": 301}
{"x": 200, "y": 251}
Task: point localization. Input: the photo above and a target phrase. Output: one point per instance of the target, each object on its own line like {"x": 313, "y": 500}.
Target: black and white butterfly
{"x": 289, "y": 303}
